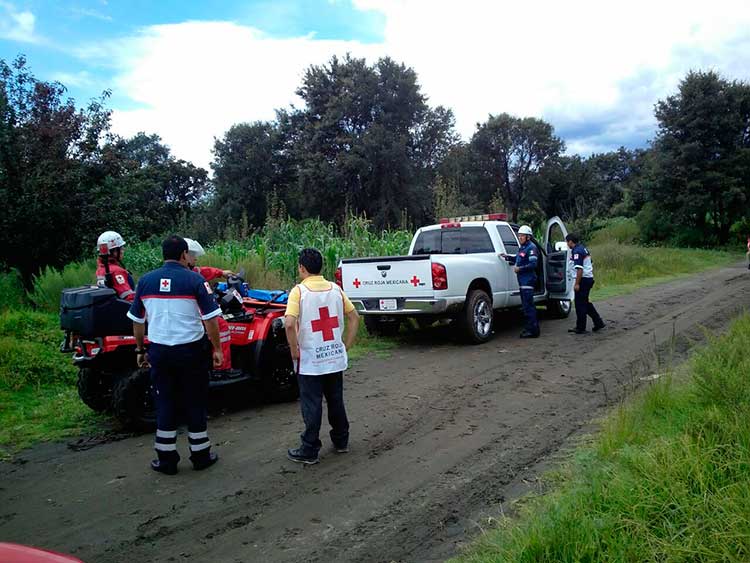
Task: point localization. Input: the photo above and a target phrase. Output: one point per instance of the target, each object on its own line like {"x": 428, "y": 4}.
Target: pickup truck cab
{"x": 456, "y": 270}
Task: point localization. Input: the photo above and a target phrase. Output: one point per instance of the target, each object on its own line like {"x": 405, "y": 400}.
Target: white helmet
{"x": 525, "y": 230}
{"x": 111, "y": 239}
{"x": 195, "y": 248}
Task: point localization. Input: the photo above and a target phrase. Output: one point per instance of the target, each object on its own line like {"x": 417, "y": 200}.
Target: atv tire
{"x": 279, "y": 379}
{"x": 379, "y": 326}
{"x": 133, "y": 401}
{"x": 95, "y": 389}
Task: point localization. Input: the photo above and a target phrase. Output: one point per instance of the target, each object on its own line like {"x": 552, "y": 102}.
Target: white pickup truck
{"x": 455, "y": 269}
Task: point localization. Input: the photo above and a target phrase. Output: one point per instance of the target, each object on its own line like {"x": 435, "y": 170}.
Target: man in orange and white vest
{"x": 109, "y": 269}
{"x": 321, "y": 325}
{"x": 195, "y": 251}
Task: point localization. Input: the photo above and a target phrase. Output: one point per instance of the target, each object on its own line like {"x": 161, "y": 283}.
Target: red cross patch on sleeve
{"x": 119, "y": 278}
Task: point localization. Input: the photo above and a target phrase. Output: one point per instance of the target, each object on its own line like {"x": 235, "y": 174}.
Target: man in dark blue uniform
{"x": 525, "y": 264}
{"x": 177, "y": 303}
{"x": 584, "y": 281}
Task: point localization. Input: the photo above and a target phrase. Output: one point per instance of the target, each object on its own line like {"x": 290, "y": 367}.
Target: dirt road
{"x": 442, "y": 433}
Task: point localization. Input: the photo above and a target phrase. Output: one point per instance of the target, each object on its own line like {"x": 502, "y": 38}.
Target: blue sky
{"x": 189, "y": 70}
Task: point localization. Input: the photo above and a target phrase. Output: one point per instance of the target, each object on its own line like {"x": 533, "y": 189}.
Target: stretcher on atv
{"x": 100, "y": 337}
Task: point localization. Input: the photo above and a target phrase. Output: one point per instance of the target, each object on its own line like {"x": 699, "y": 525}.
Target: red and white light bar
{"x": 466, "y": 218}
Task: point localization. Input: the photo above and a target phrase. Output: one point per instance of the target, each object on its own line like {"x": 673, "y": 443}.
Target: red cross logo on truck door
{"x": 415, "y": 281}
{"x": 356, "y": 283}
{"x": 325, "y": 324}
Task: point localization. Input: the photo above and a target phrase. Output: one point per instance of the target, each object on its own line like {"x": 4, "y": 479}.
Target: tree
{"x": 65, "y": 178}
{"x": 248, "y": 167}
{"x": 366, "y": 140}
{"x": 48, "y": 156}
{"x": 702, "y": 157}
{"x": 510, "y": 151}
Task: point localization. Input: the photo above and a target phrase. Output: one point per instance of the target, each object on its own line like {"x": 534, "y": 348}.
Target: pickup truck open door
{"x": 559, "y": 284}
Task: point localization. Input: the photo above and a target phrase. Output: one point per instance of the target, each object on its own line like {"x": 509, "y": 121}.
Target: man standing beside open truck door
{"x": 584, "y": 281}
{"x": 525, "y": 265}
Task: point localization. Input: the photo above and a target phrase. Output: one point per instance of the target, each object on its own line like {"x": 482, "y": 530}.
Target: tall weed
{"x": 12, "y": 293}
{"x": 48, "y": 285}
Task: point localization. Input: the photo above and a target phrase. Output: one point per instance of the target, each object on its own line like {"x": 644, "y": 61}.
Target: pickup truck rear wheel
{"x": 382, "y": 326}
{"x": 478, "y": 317}
{"x": 559, "y": 308}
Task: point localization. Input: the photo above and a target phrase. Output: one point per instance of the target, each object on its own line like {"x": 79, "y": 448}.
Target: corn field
{"x": 267, "y": 258}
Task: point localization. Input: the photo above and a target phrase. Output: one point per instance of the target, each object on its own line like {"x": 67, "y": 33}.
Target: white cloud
{"x": 590, "y": 67}
{"x": 86, "y": 13}
{"x": 193, "y": 81}
{"x": 17, "y": 25}
{"x": 81, "y": 79}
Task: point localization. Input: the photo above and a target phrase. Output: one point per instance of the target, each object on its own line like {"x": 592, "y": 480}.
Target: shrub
{"x": 48, "y": 285}
{"x": 29, "y": 353}
{"x": 619, "y": 229}
{"x": 12, "y": 293}
{"x": 653, "y": 224}
{"x": 142, "y": 257}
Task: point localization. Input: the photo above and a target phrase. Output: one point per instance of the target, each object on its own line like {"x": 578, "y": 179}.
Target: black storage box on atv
{"x": 91, "y": 311}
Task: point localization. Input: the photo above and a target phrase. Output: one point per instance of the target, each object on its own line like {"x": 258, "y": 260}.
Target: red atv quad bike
{"x": 100, "y": 336}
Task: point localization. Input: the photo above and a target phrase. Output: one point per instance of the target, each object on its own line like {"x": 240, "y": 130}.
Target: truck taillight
{"x": 439, "y": 276}
{"x": 339, "y": 278}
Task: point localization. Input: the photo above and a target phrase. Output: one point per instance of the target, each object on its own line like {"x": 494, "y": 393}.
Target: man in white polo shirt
{"x": 177, "y": 303}
{"x": 315, "y": 318}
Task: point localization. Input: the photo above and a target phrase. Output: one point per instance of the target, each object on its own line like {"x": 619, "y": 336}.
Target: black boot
{"x": 166, "y": 462}
{"x": 203, "y": 459}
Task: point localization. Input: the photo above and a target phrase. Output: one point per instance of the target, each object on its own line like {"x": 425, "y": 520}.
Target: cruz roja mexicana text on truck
{"x": 455, "y": 270}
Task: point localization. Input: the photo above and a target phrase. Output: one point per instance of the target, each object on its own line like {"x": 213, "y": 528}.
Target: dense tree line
{"x": 365, "y": 140}
{"x": 64, "y": 177}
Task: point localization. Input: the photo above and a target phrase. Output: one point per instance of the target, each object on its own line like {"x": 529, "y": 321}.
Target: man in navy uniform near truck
{"x": 315, "y": 315}
{"x": 177, "y": 303}
{"x": 525, "y": 265}
{"x": 584, "y": 281}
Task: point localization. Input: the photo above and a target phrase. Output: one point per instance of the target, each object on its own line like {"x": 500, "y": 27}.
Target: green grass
{"x": 40, "y": 414}
{"x": 624, "y": 268}
{"x": 667, "y": 478}
{"x": 38, "y": 398}
{"x": 367, "y": 345}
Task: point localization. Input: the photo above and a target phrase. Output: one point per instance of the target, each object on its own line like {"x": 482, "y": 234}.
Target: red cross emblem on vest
{"x": 325, "y": 324}
{"x": 356, "y": 283}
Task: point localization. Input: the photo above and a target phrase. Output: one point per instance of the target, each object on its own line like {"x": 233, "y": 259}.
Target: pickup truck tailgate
{"x": 400, "y": 276}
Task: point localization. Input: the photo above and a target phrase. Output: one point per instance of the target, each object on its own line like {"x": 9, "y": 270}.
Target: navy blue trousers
{"x": 312, "y": 389}
{"x": 529, "y": 311}
{"x": 584, "y": 307}
{"x": 180, "y": 374}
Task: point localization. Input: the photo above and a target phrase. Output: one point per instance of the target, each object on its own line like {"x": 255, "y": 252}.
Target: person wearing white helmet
{"x": 109, "y": 270}
{"x": 524, "y": 265}
{"x": 195, "y": 251}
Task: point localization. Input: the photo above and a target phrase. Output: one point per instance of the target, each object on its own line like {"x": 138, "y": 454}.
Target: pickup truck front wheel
{"x": 477, "y": 317}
